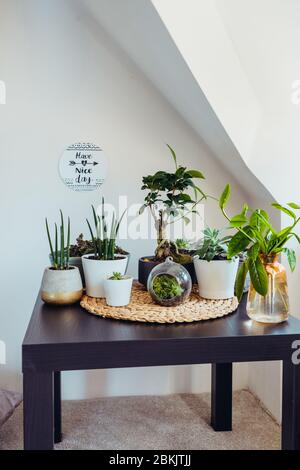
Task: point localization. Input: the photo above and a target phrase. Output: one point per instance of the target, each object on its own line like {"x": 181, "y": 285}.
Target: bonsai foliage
{"x": 166, "y": 287}
{"x": 169, "y": 200}
{"x": 256, "y": 235}
{"x": 60, "y": 254}
{"x": 104, "y": 238}
{"x": 213, "y": 246}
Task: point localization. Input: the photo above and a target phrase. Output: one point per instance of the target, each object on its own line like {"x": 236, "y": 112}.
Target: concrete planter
{"x": 61, "y": 287}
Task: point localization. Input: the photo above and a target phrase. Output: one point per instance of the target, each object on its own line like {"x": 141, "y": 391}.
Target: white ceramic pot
{"x": 216, "y": 279}
{"x": 118, "y": 293}
{"x": 61, "y": 287}
{"x": 97, "y": 271}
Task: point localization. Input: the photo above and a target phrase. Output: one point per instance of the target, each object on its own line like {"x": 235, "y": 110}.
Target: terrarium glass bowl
{"x": 169, "y": 283}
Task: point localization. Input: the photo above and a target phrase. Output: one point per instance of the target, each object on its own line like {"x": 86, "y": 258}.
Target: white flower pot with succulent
{"x": 61, "y": 283}
{"x": 103, "y": 262}
{"x": 117, "y": 290}
{"x": 215, "y": 273}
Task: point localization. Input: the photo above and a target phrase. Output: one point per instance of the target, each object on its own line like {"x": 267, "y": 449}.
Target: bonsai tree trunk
{"x": 165, "y": 247}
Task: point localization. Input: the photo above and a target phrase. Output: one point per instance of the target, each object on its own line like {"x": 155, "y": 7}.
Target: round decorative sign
{"x": 83, "y": 167}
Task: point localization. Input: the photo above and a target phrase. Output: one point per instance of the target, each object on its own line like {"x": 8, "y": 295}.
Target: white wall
{"x": 66, "y": 82}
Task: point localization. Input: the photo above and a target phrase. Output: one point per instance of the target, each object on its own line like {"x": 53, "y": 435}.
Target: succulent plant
{"x": 59, "y": 252}
{"x": 166, "y": 287}
{"x": 213, "y": 245}
{"x": 116, "y": 277}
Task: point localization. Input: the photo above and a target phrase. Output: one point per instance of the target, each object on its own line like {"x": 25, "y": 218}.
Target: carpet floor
{"x": 176, "y": 422}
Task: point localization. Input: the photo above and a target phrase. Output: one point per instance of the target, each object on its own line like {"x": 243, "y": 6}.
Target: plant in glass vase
{"x": 169, "y": 200}
{"x": 268, "y": 296}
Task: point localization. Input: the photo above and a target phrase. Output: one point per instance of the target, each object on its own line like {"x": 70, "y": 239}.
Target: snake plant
{"x": 104, "y": 239}
{"x": 60, "y": 253}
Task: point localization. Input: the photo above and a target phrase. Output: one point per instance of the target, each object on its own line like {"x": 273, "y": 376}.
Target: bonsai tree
{"x": 168, "y": 200}
{"x": 256, "y": 235}
{"x": 60, "y": 253}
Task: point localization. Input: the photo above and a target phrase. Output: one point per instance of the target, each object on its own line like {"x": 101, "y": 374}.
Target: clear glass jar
{"x": 169, "y": 283}
{"x": 274, "y": 307}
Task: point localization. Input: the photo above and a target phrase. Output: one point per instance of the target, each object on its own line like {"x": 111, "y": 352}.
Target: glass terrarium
{"x": 169, "y": 283}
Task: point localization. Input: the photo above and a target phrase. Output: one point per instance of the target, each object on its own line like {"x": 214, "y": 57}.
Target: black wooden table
{"x": 68, "y": 338}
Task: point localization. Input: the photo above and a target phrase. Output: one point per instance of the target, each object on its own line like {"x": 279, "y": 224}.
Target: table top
{"x": 50, "y": 325}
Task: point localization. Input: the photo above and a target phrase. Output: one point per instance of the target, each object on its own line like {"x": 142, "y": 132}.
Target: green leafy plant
{"x": 60, "y": 254}
{"x": 166, "y": 287}
{"x": 256, "y": 235}
{"x": 104, "y": 239}
{"x": 214, "y": 246}
{"x": 168, "y": 200}
{"x": 116, "y": 277}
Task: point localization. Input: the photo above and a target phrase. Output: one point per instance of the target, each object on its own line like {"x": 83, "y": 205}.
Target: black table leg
{"x": 57, "y": 407}
{"x": 221, "y": 397}
{"x": 38, "y": 410}
{"x": 290, "y": 406}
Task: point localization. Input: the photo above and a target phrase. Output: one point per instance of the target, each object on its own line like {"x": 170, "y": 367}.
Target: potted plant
{"x": 85, "y": 247}
{"x": 103, "y": 262}
{"x": 117, "y": 289}
{"x": 216, "y": 274}
{"x": 168, "y": 200}
{"x": 61, "y": 283}
{"x": 268, "y": 296}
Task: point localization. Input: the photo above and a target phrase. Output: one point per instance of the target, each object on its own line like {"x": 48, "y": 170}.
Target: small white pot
{"x": 118, "y": 293}
{"x": 216, "y": 279}
{"x": 61, "y": 287}
{"x": 97, "y": 271}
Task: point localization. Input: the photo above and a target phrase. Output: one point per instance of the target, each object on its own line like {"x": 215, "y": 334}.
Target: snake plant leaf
{"x": 291, "y": 257}
{"x": 285, "y": 210}
{"x": 258, "y": 275}
{"x": 239, "y": 242}
{"x": 62, "y": 241}
{"x": 56, "y": 247}
{"x": 240, "y": 280}
{"x": 49, "y": 240}
{"x": 225, "y": 197}
{"x": 68, "y": 243}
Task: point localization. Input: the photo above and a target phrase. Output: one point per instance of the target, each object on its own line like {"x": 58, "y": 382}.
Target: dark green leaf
{"x": 253, "y": 252}
{"x": 259, "y": 277}
{"x": 224, "y": 197}
{"x": 238, "y": 242}
{"x": 240, "y": 280}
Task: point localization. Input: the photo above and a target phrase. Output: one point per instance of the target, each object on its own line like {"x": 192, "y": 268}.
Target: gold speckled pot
{"x": 61, "y": 287}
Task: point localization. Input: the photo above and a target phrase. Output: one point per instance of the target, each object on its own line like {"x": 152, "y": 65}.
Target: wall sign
{"x": 83, "y": 167}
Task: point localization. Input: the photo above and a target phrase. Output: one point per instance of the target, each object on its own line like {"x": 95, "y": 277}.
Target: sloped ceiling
{"x": 140, "y": 31}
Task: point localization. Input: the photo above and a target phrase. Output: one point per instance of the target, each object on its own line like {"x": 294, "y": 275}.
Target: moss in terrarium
{"x": 166, "y": 287}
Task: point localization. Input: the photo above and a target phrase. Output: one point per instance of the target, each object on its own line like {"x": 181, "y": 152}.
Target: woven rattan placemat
{"x": 143, "y": 309}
